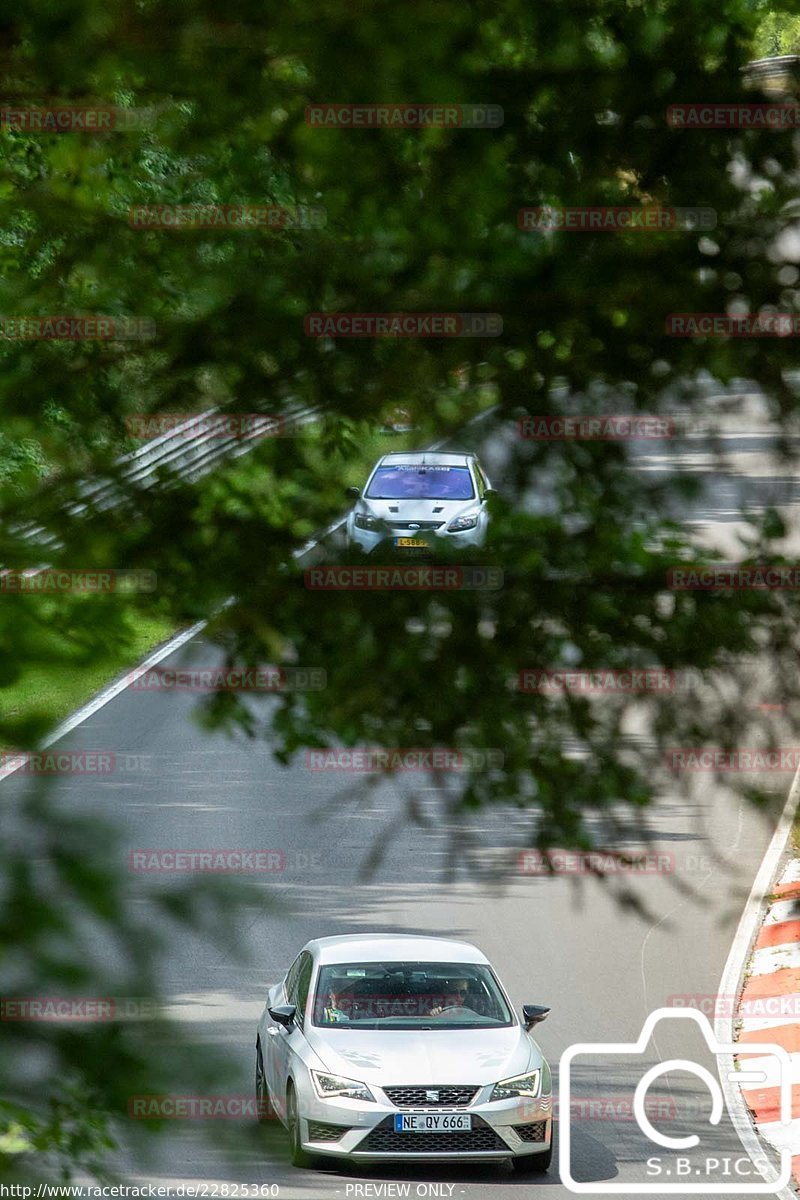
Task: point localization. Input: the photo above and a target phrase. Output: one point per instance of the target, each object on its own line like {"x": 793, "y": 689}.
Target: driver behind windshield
{"x": 454, "y": 997}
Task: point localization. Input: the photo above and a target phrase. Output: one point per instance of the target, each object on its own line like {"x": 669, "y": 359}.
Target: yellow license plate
{"x": 411, "y": 543}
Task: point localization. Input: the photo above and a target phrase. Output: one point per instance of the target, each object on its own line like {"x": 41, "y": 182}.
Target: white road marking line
{"x": 113, "y": 690}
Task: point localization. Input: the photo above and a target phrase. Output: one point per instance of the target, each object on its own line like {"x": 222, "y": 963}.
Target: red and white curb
{"x": 769, "y": 1011}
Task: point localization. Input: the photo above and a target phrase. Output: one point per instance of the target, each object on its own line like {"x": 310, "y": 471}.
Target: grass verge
{"x": 61, "y": 686}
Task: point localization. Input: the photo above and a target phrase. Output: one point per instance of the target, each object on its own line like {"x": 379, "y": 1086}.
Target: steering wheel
{"x": 451, "y": 1008}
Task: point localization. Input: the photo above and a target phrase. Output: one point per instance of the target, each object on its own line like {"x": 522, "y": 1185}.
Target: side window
{"x": 303, "y": 984}
{"x": 483, "y": 482}
{"x": 290, "y": 982}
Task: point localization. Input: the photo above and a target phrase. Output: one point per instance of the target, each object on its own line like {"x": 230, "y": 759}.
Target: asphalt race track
{"x": 562, "y": 941}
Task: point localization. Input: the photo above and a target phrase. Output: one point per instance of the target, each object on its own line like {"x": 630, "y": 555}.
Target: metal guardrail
{"x": 189, "y": 456}
{"x": 779, "y": 73}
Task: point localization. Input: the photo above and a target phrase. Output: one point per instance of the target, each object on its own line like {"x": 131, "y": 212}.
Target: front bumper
{"x": 501, "y": 1129}
{"x": 366, "y": 540}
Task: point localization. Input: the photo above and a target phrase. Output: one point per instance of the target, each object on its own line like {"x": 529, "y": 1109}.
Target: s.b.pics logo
{"x": 680, "y": 1138}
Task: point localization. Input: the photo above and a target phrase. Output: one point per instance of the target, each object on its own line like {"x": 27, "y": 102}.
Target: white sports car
{"x": 383, "y": 1046}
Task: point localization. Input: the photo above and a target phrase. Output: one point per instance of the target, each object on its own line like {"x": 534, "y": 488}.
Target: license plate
{"x": 406, "y": 543}
{"x": 431, "y": 1122}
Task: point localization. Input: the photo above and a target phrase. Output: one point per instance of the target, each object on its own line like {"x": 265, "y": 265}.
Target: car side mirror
{"x": 283, "y": 1014}
{"x": 352, "y": 493}
{"x": 532, "y": 1014}
{"x": 489, "y": 492}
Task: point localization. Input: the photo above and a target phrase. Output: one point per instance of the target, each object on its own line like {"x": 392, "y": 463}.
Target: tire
{"x": 265, "y": 1111}
{"x": 300, "y": 1157}
{"x": 533, "y": 1164}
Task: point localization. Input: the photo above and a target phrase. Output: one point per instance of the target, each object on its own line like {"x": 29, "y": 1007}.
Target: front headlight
{"x": 519, "y": 1085}
{"x": 462, "y": 523}
{"x": 328, "y": 1086}
{"x": 363, "y": 521}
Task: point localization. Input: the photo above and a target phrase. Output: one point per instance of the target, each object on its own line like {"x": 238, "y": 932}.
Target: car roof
{"x": 392, "y": 947}
{"x": 426, "y": 458}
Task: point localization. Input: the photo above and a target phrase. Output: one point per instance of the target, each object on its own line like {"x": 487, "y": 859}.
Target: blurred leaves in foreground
{"x": 418, "y": 220}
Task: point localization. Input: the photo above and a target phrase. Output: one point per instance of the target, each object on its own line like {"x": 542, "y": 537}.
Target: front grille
{"x": 419, "y": 524}
{"x": 531, "y": 1133}
{"x": 384, "y": 1140}
{"x": 416, "y": 1097}
{"x": 319, "y": 1132}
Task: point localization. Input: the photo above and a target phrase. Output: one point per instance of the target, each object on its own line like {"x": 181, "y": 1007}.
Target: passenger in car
{"x": 332, "y": 1012}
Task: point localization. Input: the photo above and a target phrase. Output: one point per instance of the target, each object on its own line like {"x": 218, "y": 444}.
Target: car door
{"x": 296, "y": 1037}
{"x": 286, "y": 1045}
{"x": 274, "y": 1050}
{"x": 483, "y": 487}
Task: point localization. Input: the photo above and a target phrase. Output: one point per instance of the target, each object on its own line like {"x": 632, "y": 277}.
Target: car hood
{"x": 420, "y": 1056}
{"x": 416, "y": 510}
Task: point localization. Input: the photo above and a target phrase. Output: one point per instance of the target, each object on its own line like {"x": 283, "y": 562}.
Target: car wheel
{"x": 264, "y": 1109}
{"x": 533, "y": 1164}
{"x": 299, "y": 1157}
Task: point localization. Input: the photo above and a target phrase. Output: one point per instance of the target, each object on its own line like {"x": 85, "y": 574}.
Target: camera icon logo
{"x": 772, "y": 1068}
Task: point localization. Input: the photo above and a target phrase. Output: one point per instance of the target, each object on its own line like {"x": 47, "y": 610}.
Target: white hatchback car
{"x": 386, "y": 1046}
{"x": 412, "y": 500}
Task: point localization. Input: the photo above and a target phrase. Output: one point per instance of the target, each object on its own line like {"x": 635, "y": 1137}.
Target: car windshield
{"x": 419, "y": 482}
{"x": 409, "y": 995}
